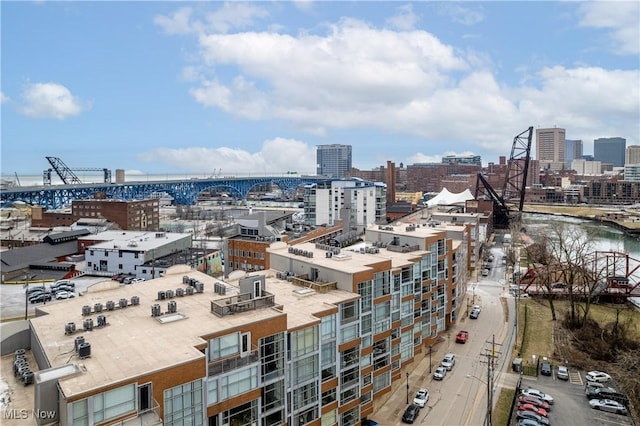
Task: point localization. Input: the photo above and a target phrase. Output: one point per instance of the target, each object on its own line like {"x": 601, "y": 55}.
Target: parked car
{"x": 562, "y": 373}
{"x": 63, "y": 282}
{"x": 36, "y": 289}
{"x": 558, "y": 285}
{"x": 462, "y": 336}
{"x": 369, "y": 422}
{"x": 523, "y": 399}
{"x": 485, "y": 272}
{"x": 530, "y": 407}
{"x": 63, "y": 288}
{"x": 439, "y": 373}
{"x": 606, "y": 393}
{"x": 136, "y": 280}
{"x": 597, "y": 376}
{"x": 545, "y": 369}
{"x": 449, "y": 361}
{"x": 532, "y": 416}
{"x": 39, "y": 298}
{"x": 527, "y": 422}
{"x": 538, "y": 394}
{"x": 476, "y": 308}
{"x": 608, "y": 405}
{"x": 411, "y": 414}
{"x": 64, "y": 295}
{"x": 474, "y": 314}
{"x": 421, "y": 398}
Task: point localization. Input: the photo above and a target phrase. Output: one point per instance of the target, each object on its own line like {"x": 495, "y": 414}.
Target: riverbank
{"x": 627, "y": 222}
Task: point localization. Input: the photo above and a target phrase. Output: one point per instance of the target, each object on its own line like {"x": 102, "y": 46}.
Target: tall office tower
{"x": 550, "y": 146}
{"x": 333, "y": 160}
{"x": 632, "y": 155}
{"x": 610, "y": 150}
{"x": 572, "y": 151}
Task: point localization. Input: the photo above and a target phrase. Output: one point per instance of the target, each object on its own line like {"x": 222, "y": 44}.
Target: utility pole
{"x": 491, "y": 354}
{"x": 407, "y": 387}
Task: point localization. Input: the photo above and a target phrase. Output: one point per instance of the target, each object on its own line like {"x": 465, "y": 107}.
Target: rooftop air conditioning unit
{"x": 86, "y": 310}
{"x": 172, "y": 307}
{"x": 84, "y": 350}
{"x": 155, "y": 310}
{"x": 77, "y": 342}
{"x": 123, "y": 303}
{"x": 70, "y": 328}
{"x": 169, "y": 294}
{"x": 111, "y": 305}
{"x": 97, "y": 307}
{"x": 179, "y": 292}
{"x": 87, "y": 324}
{"x": 135, "y": 300}
{"x": 102, "y": 320}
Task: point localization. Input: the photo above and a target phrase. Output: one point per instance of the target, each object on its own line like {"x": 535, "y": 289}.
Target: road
{"x": 461, "y": 398}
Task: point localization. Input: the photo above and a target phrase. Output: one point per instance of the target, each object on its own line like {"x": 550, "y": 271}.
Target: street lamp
{"x": 430, "y": 350}
{"x": 407, "y": 387}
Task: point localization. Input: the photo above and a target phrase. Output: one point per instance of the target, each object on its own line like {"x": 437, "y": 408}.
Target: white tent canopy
{"x": 446, "y": 198}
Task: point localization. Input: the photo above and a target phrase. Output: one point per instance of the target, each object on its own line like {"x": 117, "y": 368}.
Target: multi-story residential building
{"x": 632, "y": 172}
{"x": 550, "y": 148}
{"x": 462, "y": 159}
{"x": 313, "y": 340}
{"x": 135, "y": 215}
{"x": 334, "y": 160}
{"x": 632, "y": 155}
{"x": 114, "y": 252}
{"x": 610, "y": 150}
{"x": 573, "y": 151}
{"x": 356, "y": 202}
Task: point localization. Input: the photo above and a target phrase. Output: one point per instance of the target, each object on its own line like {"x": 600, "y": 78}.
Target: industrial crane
{"x": 507, "y": 205}
{"x": 67, "y": 175}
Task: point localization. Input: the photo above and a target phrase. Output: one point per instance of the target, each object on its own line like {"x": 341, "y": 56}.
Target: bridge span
{"x": 184, "y": 192}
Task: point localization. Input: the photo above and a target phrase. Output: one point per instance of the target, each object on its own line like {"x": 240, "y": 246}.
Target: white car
{"x": 421, "y": 398}
{"x": 137, "y": 280}
{"x": 597, "y": 376}
{"x": 439, "y": 373}
{"x": 538, "y": 394}
{"x": 64, "y": 295}
{"x": 608, "y": 405}
{"x": 449, "y": 361}
{"x": 562, "y": 373}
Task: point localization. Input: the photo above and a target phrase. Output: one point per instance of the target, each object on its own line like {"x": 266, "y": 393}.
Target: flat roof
{"x": 141, "y": 240}
{"x": 134, "y": 343}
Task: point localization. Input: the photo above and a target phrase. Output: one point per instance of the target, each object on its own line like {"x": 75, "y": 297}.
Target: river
{"x": 606, "y": 238}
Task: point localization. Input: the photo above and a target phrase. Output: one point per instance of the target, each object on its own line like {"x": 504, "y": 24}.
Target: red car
{"x": 462, "y": 336}
{"x": 530, "y": 407}
{"x": 523, "y": 399}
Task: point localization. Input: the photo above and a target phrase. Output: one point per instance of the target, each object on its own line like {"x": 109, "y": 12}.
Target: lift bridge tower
{"x": 67, "y": 175}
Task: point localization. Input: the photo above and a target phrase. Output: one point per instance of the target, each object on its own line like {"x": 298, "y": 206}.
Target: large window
{"x": 183, "y": 405}
{"x": 238, "y": 382}
{"x": 104, "y": 406}
{"x": 224, "y": 346}
{"x": 305, "y": 341}
{"x": 305, "y": 369}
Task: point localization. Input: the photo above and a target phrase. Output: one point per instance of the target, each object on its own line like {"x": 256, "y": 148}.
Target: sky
{"x": 234, "y": 88}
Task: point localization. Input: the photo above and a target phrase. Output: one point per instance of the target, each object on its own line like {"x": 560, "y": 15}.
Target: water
{"x": 606, "y": 238}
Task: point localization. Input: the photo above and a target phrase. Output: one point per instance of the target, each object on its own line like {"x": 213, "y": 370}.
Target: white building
{"x": 114, "y": 252}
{"x": 355, "y": 201}
{"x": 587, "y": 168}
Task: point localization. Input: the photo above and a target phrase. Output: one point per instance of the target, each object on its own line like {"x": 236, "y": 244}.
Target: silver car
{"x": 439, "y": 373}
{"x": 608, "y": 405}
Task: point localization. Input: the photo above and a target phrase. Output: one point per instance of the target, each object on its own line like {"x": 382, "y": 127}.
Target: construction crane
{"x": 507, "y": 205}
{"x": 66, "y": 174}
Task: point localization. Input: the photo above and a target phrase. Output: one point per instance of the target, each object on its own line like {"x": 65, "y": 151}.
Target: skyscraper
{"x": 572, "y": 151}
{"x": 333, "y": 160}
{"x": 550, "y": 148}
{"x": 610, "y": 150}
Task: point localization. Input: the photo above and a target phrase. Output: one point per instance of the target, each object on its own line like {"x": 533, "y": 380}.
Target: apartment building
{"x": 550, "y": 148}
{"x": 313, "y": 340}
{"x": 356, "y": 202}
{"x": 333, "y": 160}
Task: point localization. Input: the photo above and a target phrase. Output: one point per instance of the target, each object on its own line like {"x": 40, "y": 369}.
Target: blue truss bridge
{"x": 184, "y": 192}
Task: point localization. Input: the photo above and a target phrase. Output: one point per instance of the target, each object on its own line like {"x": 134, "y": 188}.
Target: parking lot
{"x": 571, "y": 406}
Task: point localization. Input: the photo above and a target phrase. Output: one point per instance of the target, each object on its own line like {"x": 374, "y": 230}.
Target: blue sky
{"x": 236, "y": 88}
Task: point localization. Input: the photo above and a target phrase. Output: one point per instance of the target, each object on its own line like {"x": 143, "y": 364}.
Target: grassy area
{"x": 538, "y": 336}
{"x": 605, "y": 314}
{"x": 503, "y": 406}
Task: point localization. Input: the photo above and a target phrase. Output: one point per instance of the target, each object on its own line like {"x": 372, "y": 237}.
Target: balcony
{"x": 319, "y": 286}
{"x": 241, "y": 303}
{"x": 220, "y": 366}
{"x": 149, "y": 417}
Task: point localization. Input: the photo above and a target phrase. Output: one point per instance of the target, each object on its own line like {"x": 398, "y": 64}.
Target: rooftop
{"x": 134, "y": 342}
{"x": 142, "y": 240}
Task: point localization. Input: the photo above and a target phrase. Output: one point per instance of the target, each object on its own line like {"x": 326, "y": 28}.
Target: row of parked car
{"x": 534, "y": 407}
{"x": 127, "y": 278}
{"x": 61, "y": 289}
{"x": 603, "y": 397}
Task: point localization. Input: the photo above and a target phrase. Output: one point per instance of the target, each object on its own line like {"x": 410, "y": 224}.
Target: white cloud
{"x": 405, "y": 19}
{"x": 231, "y": 15}
{"x": 620, "y": 17}
{"x": 4, "y": 98}
{"x": 51, "y": 100}
{"x": 275, "y": 156}
{"x": 465, "y": 15}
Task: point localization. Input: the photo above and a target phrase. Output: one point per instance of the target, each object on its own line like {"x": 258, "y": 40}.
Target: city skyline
{"x": 195, "y": 87}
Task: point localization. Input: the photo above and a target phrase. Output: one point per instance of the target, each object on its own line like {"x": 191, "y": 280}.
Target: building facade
{"x": 462, "y": 159}
{"x": 550, "y": 148}
{"x": 334, "y": 160}
{"x": 610, "y": 150}
{"x": 356, "y": 202}
{"x": 632, "y": 155}
{"x": 313, "y": 340}
{"x": 573, "y": 151}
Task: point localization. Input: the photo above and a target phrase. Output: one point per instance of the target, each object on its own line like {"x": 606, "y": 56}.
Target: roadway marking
{"x": 575, "y": 377}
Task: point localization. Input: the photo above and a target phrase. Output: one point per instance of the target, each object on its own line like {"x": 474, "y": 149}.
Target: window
{"x": 114, "y": 403}
{"x": 238, "y": 382}
{"x": 80, "y": 413}
{"x": 348, "y": 312}
{"x": 224, "y": 346}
